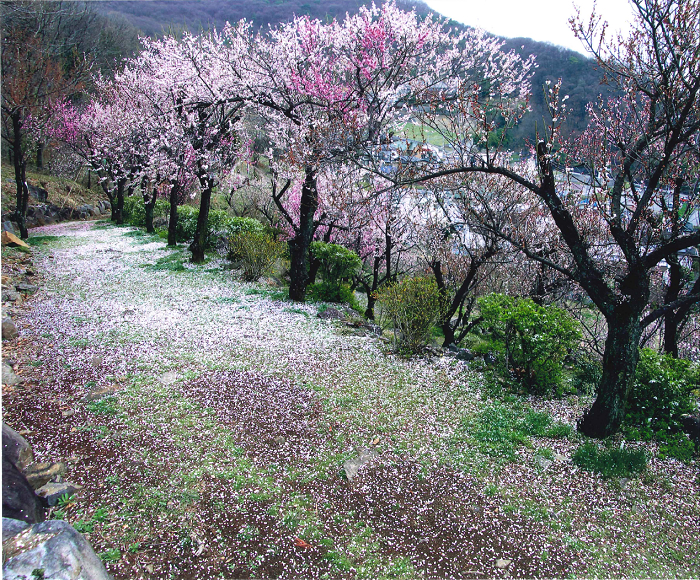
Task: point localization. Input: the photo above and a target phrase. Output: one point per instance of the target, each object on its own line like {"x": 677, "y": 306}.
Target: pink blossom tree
{"x": 327, "y": 90}
{"x": 195, "y": 110}
{"x": 632, "y": 148}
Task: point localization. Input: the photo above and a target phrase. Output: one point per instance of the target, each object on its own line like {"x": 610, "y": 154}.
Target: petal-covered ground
{"x": 208, "y": 421}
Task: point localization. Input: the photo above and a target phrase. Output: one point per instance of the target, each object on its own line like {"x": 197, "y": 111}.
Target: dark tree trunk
{"x": 20, "y": 164}
{"x": 149, "y": 205}
{"x": 449, "y": 322}
{"x": 671, "y": 320}
{"x": 620, "y": 359}
{"x": 299, "y": 245}
{"x": 172, "y": 222}
{"x": 314, "y": 265}
{"x": 109, "y": 191}
{"x": 388, "y": 245}
{"x": 89, "y": 183}
{"x": 40, "y": 155}
{"x": 200, "y": 235}
{"x": 118, "y": 215}
{"x": 371, "y": 290}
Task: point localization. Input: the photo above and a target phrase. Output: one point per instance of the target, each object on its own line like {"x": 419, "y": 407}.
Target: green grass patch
{"x": 226, "y": 300}
{"x": 111, "y": 555}
{"x": 41, "y": 240}
{"x": 172, "y": 263}
{"x": 499, "y": 429}
{"x": 273, "y": 294}
{"x": 106, "y": 406}
{"x": 296, "y": 311}
{"x": 610, "y": 462}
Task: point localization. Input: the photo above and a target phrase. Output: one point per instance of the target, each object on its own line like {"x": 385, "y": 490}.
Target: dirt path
{"x": 216, "y": 448}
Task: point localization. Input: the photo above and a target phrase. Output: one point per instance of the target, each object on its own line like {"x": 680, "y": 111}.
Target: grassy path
{"x": 216, "y": 448}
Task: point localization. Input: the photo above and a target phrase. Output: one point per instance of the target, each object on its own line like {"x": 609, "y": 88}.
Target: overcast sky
{"x": 544, "y": 20}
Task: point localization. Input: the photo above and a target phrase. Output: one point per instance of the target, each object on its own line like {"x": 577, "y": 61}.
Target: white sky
{"x": 543, "y": 20}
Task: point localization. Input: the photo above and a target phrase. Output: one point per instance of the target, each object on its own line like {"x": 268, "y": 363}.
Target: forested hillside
{"x": 581, "y": 79}
{"x": 152, "y": 17}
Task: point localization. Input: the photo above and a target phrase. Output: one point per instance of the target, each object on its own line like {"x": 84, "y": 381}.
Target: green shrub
{"x": 237, "y": 225}
{"x": 661, "y": 394}
{"x": 413, "y": 306}
{"x": 256, "y": 251}
{"x": 135, "y": 210}
{"x": 588, "y": 372}
{"x": 333, "y": 292}
{"x": 218, "y": 222}
{"x": 337, "y": 262}
{"x": 610, "y": 462}
{"x": 186, "y": 222}
{"x": 533, "y": 339}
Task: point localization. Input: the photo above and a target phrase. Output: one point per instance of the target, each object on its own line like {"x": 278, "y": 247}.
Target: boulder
{"x": 10, "y": 239}
{"x": 52, "y": 492}
{"x": 464, "y": 354}
{"x": 38, "y": 193}
{"x": 54, "y": 547}
{"x": 9, "y": 329}
{"x": 691, "y": 425}
{"x": 39, "y": 474}
{"x": 331, "y": 314}
{"x": 26, "y": 287}
{"x": 11, "y": 528}
{"x": 19, "y": 501}
{"x": 9, "y": 295}
{"x": 16, "y": 448}
{"x": 9, "y": 378}
{"x": 9, "y": 226}
{"x": 352, "y": 466}
{"x": 168, "y": 378}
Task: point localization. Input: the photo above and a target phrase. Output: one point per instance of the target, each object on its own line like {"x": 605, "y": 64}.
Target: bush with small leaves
{"x": 257, "y": 253}
{"x": 135, "y": 210}
{"x": 337, "y": 262}
{"x": 662, "y": 392}
{"x": 217, "y": 223}
{"x": 186, "y": 222}
{"x": 333, "y": 292}
{"x": 413, "y": 307}
{"x": 237, "y": 225}
{"x": 532, "y": 339}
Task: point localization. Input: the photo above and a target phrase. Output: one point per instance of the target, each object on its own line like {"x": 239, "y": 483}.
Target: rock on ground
{"x": 39, "y": 474}
{"x": 9, "y": 378}
{"x": 14, "y": 446}
{"x": 54, "y": 547}
{"x": 352, "y": 466}
{"x": 19, "y": 501}
{"x": 9, "y": 330}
